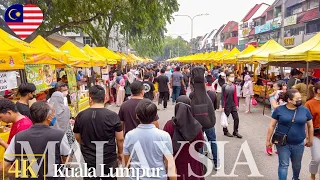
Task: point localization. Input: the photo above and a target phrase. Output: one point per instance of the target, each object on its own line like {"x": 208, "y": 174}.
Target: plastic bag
{"x": 254, "y": 102}
{"x": 224, "y": 120}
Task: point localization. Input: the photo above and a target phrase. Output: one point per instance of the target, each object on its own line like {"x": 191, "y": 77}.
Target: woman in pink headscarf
{"x": 247, "y": 90}
{"x": 121, "y": 92}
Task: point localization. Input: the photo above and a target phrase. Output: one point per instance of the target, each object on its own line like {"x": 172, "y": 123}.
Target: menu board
{"x": 8, "y": 80}
{"x": 41, "y": 75}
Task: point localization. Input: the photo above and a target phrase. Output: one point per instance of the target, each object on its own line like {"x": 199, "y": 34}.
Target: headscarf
{"x": 62, "y": 112}
{"x": 131, "y": 77}
{"x": 221, "y": 81}
{"x": 185, "y": 125}
{"x": 247, "y": 80}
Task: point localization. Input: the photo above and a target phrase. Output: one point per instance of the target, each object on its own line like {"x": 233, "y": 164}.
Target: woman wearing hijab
{"x": 247, "y": 92}
{"x": 184, "y": 127}
{"x": 130, "y": 78}
{"x": 62, "y": 114}
{"x": 219, "y": 82}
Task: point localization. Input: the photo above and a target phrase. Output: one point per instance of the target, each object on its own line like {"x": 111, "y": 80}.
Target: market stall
{"x": 261, "y": 55}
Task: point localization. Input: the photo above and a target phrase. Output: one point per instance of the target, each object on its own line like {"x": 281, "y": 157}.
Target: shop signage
{"x": 8, "y": 80}
{"x": 72, "y": 82}
{"x": 41, "y": 75}
{"x": 245, "y": 32}
{"x": 262, "y": 28}
{"x": 289, "y": 41}
{"x": 276, "y": 23}
{"x": 290, "y": 20}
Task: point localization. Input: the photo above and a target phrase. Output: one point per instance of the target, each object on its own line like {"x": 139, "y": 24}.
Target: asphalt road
{"x": 253, "y": 128}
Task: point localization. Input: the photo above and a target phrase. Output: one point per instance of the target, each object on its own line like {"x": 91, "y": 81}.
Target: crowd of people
{"x": 141, "y": 92}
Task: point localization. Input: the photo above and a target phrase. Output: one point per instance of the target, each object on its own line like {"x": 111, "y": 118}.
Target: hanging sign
{"x": 8, "y": 80}
{"x": 41, "y": 75}
{"x": 289, "y": 41}
{"x": 72, "y": 82}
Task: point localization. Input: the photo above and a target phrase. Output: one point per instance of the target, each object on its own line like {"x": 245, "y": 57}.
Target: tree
{"x": 136, "y": 20}
{"x": 175, "y": 47}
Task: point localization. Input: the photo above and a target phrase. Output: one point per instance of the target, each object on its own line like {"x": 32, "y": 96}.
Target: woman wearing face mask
{"x": 184, "y": 127}
{"x": 229, "y": 102}
{"x": 313, "y": 105}
{"x": 219, "y": 82}
{"x": 62, "y": 113}
{"x": 247, "y": 92}
{"x": 290, "y": 121}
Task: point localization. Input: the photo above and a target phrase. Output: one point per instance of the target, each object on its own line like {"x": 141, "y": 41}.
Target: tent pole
{"x": 265, "y": 92}
{"x": 307, "y": 76}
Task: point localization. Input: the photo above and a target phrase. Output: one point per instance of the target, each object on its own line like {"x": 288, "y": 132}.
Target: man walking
{"x": 163, "y": 81}
{"x": 127, "y": 111}
{"x": 186, "y": 76}
{"x": 99, "y": 124}
{"x": 229, "y": 102}
{"x": 176, "y": 82}
{"x": 42, "y": 139}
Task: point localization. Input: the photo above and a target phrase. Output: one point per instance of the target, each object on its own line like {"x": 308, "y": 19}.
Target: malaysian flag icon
{"x": 23, "y": 20}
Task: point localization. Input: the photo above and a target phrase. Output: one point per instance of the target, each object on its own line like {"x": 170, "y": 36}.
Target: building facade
{"x": 229, "y": 35}
{"x": 247, "y": 24}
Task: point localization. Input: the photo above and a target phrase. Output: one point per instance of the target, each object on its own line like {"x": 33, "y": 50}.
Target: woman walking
{"x": 121, "y": 93}
{"x": 184, "y": 127}
{"x": 291, "y": 120}
{"x": 130, "y": 78}
{"x": 247, "y": 92}
{"x": 219, "y": 82}
{"x": 313, "y": 105}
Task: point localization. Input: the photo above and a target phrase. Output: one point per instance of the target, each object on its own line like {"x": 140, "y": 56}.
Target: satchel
{"x": 281, "y": 139}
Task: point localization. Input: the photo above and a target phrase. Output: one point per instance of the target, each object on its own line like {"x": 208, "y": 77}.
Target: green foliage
{"x": 175, "y": 47}
{"x": 138, "y": 20}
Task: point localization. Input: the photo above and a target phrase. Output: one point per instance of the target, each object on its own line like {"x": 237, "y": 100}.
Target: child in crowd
{"x": 238, "y": 87}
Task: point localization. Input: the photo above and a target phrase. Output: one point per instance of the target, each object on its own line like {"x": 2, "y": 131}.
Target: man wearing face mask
{"x": 229, "y": 102}
{"x": 9, "y": 114}
{"x": 27, "y": 93}
{"x": 38, "y": 137}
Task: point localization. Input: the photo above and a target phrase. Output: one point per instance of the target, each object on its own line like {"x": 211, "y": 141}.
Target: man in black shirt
{"x": 27, "y": 93}
{"x": 127, "y": 112}
{"x": 148, "y": 88}
{"x": 102, "y": 126}
{"x": 163, "y": 81}
{"x": 186, "y": 76}
{"x": 229, "y": 102}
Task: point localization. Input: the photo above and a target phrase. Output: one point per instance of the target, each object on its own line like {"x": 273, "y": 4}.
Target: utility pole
{"x": 283, "y": 9}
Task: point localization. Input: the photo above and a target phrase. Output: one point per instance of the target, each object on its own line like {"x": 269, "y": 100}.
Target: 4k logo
{"x": 25, "y": 166}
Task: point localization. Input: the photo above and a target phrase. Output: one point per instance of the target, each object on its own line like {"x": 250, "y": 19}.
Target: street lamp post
{"x": 192, "y": 18}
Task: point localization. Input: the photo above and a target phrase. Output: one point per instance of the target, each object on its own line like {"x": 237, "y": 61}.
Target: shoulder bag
{"x": 281, "y": 139}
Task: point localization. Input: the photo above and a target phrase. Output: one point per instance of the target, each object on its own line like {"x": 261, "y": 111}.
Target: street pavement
{"x": 253, "y": 128}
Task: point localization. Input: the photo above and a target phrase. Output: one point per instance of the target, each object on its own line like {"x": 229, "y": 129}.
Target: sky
{"x": 220, "y": 12}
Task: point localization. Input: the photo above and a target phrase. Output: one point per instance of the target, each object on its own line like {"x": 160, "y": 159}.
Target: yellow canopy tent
{"x": 58, "y": 56}
{"x": 10, "y": 59}
{"x": 31, "y": 54}
{"x": 219, "y": 55}
{"x": 97, "y": 59}
{"x": 111, "y": 56}
{"x": 224, "y": 59}
{"x": 262, "y": 53}
{"x": 77, "y": 57}
{"x": 307, "y": 51}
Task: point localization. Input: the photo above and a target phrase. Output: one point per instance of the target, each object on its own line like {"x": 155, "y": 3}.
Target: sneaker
{"x": 164, "y": 108}
{"x": 237, "y": 135}
{"x": 228, "y": 134}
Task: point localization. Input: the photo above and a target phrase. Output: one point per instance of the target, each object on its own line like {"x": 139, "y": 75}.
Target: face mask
{"x": 231, "y": 79}
{"x": 298, "y": 103}
{"x": 54, "y": 119}
{"x": 65, "y": 93}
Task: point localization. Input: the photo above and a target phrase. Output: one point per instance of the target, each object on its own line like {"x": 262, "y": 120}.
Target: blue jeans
{"x": 175, "y": 93}
{"x": 285, "y": 153}
{"x": 212, "y": 138}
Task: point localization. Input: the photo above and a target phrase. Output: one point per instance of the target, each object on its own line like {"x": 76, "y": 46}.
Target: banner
{"x": 263, "y": 28}
{"x": 72, "y": 82}
{"x": 41, "y": 75}
{"x": 290, "y": 20}
{"x": 8, "y": 80}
